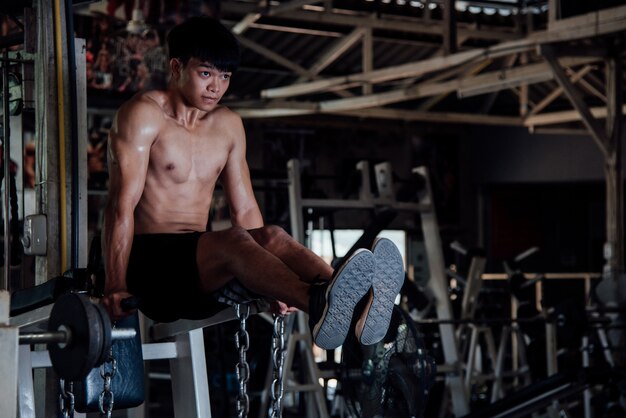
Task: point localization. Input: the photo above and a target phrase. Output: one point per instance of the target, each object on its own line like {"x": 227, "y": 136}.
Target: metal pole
{"x": 9, "y": 359}
{"x": 295, "y": 201}
{"x": 45, "y": 337}
{"x": 75, "y": 212}
{"x": 438, "y": 285}
{"x": 7, "y": 173}
{"x": 614, "y": 247}
{"x": 65, "y": 336}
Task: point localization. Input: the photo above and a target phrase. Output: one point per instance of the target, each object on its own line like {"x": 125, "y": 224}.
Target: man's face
{"x": 200, "y": 83}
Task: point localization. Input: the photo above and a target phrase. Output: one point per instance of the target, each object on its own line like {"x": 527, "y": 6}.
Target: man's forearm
{"x": 118, "y": 235}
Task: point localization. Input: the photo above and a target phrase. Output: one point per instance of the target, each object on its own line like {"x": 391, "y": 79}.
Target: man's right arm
{"x": 134, "y": 129}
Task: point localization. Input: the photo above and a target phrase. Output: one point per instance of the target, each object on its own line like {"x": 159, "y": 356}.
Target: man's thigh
{"x": 216, "y": 254}
{"x": 163, "y": 273}
{"x": 223, "y": 256}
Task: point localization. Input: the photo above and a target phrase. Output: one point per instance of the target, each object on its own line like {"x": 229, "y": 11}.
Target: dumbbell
{"x": 79, "y": 336}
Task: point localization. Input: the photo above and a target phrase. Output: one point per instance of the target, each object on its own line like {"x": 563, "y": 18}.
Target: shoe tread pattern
{"x": 348, "y": 287}
{"x": 387, "y": 282}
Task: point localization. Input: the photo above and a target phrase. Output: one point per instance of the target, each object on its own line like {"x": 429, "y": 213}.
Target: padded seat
{"x": 31, "y": 298}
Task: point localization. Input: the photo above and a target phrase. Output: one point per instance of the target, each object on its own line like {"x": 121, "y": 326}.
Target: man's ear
{"x": 176, "y": 66}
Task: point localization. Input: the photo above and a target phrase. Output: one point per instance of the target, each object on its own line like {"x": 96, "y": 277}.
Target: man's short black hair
{"x": 206, "y": 39}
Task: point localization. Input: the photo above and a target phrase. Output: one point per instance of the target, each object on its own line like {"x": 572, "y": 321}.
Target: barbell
{"x": 79, "y": 336}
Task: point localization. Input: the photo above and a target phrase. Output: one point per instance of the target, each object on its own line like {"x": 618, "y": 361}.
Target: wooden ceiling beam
{"x": 370, "y": 104}
{"x": 392, "y": 114}
{"x": 437, "y": 117}
{"x": 399, "y": 24}
{"x": 565, "y": 116}
{"x": 365, "y": 20}
{"x": 336, "y": 50}
{"x": 584, "y": 84}
{"x": 240, "y": 27}
{"x": 574, "y": 96}
{"x": 490, "y": 81}
{"x": 574, "y": 78}
{"x": 408, "y": 70}
{"x": 608, "y": 23}
{"x": 273, "y": 56}
{"x": 600, "y": 22}
{"x": 514, "y": 77}
{"x": 450, "y": 45}
{"x": 287, "y": 6}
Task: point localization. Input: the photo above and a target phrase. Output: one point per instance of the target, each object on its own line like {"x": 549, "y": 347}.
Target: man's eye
{"x": 225, "y": 76}
{"x": 205, "y": 73}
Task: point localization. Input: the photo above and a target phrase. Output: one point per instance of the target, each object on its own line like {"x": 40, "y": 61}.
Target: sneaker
{"x": 331, "y": 304}
{"x": 388, "y": 279}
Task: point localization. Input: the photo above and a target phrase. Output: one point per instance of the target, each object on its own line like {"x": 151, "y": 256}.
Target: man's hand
{"x": 280, "y": 308}
{"x": 112, "y": 303}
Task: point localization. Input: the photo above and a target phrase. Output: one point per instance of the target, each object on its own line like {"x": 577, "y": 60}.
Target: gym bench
{"x": 181, "y": 342}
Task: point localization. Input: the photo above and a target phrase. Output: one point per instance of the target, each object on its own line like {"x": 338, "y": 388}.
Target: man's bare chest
{"x": 180, "y": 156}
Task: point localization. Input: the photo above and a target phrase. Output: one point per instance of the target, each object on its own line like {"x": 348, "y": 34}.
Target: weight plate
{"x": 74, "y": 360}
{"x": 106, "y": 334}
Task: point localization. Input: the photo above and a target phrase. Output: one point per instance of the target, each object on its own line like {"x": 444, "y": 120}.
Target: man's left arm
{"x": 244, "y": 209}
{"x": 235, "y": 178}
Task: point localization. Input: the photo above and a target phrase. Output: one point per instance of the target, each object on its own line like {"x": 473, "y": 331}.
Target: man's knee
{"x": 219, "y": 251}
{"x": 225, "y": 241}
{"x": 270, "y": 236}
{"x": 236, "y": 236}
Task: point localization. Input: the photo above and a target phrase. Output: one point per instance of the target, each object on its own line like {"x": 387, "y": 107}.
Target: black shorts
{"x": 163, "y": 273}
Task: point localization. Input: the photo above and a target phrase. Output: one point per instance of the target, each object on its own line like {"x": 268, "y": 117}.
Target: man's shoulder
{"x": 227, "y": 116}
{"x": 144, "y": 103}
{"x": 224, "y": 110}
{"x": 142, "y": 113}
{"x": 151, "y": 99}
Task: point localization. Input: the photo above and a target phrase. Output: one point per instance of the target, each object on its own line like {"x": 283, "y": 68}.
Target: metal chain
{"x": 106, "y": 399}
{"x": 65, "y": 395}
{"x": 278, "y": 362}
{"x": 242, "y": 342}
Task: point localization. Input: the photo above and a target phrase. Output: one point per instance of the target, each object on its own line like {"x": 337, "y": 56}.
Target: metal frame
{"x": 190, "y": 386}
{"x": 8, "y": 358}
{"x": 432, "y": 241}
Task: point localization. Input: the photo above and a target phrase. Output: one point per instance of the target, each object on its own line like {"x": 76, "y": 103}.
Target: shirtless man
{"x": 167, "y": 151}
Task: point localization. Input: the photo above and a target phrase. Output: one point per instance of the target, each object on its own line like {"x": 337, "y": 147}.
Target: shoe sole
{"x": 387, "y": 282}
{"x": 351, "y": 283}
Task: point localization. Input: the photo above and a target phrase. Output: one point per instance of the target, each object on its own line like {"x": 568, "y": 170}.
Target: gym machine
{"x": 582, "y": 333}
{"x": 181, "y": 342}
{"x": 386, "y": 199}
{"x": 79, "y": 336}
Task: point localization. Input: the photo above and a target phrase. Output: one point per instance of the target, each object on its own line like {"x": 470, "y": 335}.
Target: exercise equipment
{"x": 119, "y": 381}
{"x": 391, "y": 378}
{"x": 242, "y": 369}
{"x": 180, "y": 342}
{"x": 79, "y": 336}
{"x": 16, "y": 102}
{"x": 550, "y": 391}
{"x": 385, "y": 204}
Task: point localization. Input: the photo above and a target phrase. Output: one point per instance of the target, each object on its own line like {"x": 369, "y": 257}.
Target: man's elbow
{"x": 249, "y": 219}
{"x": 117, "y": 213}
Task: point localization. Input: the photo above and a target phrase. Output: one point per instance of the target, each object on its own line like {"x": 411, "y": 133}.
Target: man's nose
{"x": 214, "y": 86}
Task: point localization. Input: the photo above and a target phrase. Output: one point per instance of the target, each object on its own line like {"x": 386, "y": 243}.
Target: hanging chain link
{"x": 278, "y": 362}
{"x": 242, "y": 342}
{"x": 106, "y": 399}
{"x": 66, "y": 399}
